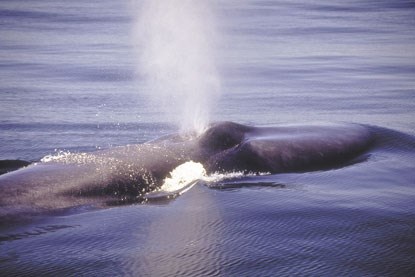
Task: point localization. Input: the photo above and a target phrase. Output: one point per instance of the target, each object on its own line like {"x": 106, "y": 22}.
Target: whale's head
{"x": 223, "y": 135}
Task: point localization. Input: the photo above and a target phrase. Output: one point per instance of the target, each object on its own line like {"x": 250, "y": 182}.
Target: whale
{"x": 129, "y": 172}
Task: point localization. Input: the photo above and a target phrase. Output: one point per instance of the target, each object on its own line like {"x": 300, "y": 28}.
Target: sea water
{"x": 69, "y": 82}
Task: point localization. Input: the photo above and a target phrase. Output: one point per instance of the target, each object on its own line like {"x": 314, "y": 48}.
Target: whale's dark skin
{"x": 130, "y": 171}
{"x": 282, "y": 149}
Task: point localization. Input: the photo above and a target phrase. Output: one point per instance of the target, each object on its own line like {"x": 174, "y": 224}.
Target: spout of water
{"x": 176, "y": 41}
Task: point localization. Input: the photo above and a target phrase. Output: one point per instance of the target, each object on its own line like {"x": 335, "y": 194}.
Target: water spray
{"x": 176, "y": 41}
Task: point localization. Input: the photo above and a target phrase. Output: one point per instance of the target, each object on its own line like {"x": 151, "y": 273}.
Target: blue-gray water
{"x": 68, "y": 82}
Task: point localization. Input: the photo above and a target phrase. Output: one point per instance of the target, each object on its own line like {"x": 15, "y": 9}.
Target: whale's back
{"x": 289, "y": 148}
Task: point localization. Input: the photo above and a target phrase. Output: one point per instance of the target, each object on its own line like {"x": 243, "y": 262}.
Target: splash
{"x": 175, "y": 41}
{"x": 58, "y": 156}
{"x": 186, "y": 175}
{"x": 182, "y": 176}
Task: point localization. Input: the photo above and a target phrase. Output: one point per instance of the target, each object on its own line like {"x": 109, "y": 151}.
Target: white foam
{"x": 58, "y": 156}
{"x": 216, "y": 176}
{"x": 182, "y": 176}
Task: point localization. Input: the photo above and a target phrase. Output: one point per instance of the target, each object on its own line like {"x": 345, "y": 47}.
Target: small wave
{"x": 180, "y": 180}
{"x": 186, "y": 175}
{"x": 218, "y": 177}
{"x": 41, "y": 230}
{"x": 58, "y": 156}
{"x": 191, "y": 172}
{"x": 183, "y": 175}
{"x": 82, "y": 158}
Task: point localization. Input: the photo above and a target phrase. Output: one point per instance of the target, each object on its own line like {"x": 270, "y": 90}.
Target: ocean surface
{"x": 69, "y": 82}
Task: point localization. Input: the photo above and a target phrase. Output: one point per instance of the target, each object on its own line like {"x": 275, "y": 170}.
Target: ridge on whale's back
{"x": 224, "y": 135}
{"x": 289, "y": 148}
